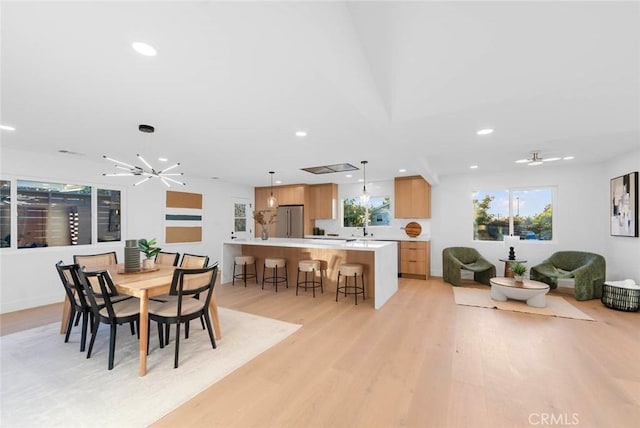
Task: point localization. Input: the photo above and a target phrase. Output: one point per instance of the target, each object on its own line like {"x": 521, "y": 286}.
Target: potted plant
{"x": 518, "y": 270}
{"x": 150, "y": 250}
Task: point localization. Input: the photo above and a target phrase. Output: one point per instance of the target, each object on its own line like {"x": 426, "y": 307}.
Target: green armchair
{"x": 456, "y": 258}
{"x": 587, "y": 270}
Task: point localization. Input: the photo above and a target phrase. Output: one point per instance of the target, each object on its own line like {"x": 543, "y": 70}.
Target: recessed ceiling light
{"x": 163, "y": 159}
{"x": 349, "y": 175}
{"x": 568, "y": 157}
{"x": 485, "y": 131}
{"x": 473, "y": 167}
{"x": 144, "y": 49}
{"x": 278, "y": 182}
{"x": 402, "y": 170}
{"x": 301, "y": 134}
{"x": 7, "y": 128}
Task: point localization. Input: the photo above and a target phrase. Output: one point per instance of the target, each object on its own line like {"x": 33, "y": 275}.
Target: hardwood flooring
{"x": 419, "y": 361}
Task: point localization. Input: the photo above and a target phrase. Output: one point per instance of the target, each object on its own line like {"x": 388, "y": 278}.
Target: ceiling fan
{"x": 537, "y": 159}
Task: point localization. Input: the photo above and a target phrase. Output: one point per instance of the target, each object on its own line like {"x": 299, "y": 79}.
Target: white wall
{"x": 581, "y": 214}
{"x": 28, "y": 277}
{"x": 623, "y": 253}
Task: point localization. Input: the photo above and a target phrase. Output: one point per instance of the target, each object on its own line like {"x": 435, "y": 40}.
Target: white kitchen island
{"x": 380, "y": 260}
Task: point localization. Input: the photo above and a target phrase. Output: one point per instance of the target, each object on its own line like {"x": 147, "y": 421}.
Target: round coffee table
{"x": 533, "y": 292}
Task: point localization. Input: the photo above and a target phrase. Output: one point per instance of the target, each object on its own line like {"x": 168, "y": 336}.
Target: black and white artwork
{"x": 624, "y": 205}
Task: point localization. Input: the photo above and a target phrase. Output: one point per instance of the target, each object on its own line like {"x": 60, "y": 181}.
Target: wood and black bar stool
{"x": 275, "y": 279}
{"x": 351, "y": 270}
{"x": 309, "y": 267}
{"x": 244, "y": 261}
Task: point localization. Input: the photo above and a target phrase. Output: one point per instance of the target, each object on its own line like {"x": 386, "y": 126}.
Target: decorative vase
{"x": 131, "y": 256}
{"x": 148, "y": 264}
{"x": 518, "y": 278}
{"x": 265, "y": 233}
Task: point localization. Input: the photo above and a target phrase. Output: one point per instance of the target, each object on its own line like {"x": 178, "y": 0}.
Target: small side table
{"x": 508, "y": 273}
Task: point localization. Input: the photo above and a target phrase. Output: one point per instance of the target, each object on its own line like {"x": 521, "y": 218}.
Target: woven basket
{"x": 621, "y": 298}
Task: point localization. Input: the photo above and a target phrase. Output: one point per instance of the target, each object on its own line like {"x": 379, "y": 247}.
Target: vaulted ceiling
{"x": 404, "y": 85}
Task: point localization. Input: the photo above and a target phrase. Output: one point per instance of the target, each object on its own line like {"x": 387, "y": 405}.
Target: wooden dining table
{"x": 144, "y": 285}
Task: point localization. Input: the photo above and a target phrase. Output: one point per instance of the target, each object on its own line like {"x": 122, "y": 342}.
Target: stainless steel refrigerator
{"x": 290, "y": 221}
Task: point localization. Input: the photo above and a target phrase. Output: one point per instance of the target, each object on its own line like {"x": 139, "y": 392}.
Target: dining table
{"x": 144, "y": 284}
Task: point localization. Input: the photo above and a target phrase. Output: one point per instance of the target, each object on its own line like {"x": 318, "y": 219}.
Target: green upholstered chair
{"x": 587, "y": 270}
{"x": 456, "y": 258}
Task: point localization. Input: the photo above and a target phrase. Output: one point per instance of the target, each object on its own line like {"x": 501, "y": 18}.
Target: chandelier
{"x": 147, "y": 172}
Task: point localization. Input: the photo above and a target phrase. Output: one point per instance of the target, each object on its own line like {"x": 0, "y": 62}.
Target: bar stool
{"x": 309, "y": 266}
{"x": 244, "y": 261}
{"x": 350, "y": 270}
{"x": 275, "y": 263}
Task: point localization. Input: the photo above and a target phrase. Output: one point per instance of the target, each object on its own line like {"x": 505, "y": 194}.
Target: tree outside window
{"x": 354, "y": 211}
{"x": 527, "y": 213}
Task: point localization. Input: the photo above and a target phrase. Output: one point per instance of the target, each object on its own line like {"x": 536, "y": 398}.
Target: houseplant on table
{"x": 261, "y": 219}
{"x": 150, "y": 250}
{"x": 518, "y": 270}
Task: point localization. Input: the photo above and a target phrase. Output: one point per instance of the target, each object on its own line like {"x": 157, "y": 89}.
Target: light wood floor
{"x": 420, "y": 361}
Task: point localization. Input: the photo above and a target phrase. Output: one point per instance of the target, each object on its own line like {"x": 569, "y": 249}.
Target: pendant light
{"x": 271, "y": 202}
{"x": 364, "y": 198}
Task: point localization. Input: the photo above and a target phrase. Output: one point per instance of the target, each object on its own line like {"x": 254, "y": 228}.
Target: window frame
{"x": 13, "y": 179}
{"x": 510, "y": 191}
{"x": 358, "y": 197}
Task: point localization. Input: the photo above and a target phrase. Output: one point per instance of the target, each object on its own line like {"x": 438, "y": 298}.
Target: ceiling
{"x": 400, "y": 84}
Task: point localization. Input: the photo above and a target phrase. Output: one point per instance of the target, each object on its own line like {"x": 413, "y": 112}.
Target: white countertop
{"x": 356, "y": 244}
{"x": 368, "y": 238}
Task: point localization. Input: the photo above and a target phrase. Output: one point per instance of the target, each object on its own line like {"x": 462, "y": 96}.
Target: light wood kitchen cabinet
{"x": 294, "y": 194}
{"x": 323, "y": 199}
{"x": 415, "y": 259}
{"x": 412, "y": 197}
{"x": 290, "y": 195}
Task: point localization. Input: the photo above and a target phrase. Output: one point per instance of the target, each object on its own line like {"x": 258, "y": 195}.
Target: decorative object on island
{"x": 131, "y": 256}
{"x": 624, "y": 205}
{"x": 271, "y": 201}
{"x": 518, "y": 270}
{"x": 261, "y": 219}
{"x": 148, "y": 173}
{"x": 150, "y": 250}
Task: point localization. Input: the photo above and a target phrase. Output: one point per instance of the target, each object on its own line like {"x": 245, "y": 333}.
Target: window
{"x": 53, "y": 214}
{"x": 108, "y": 215}
{"x": 527, "y": 213}
{"x": 354, "y": 210}
{"x": 5, "y": 213}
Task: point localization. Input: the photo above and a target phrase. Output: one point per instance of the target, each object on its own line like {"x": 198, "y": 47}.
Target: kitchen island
{"x": 378, "y": 258}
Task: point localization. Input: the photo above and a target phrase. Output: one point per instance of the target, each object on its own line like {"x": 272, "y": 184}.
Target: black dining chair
{"x": 111, "y": 313}
{"x": 169, "y": 259}
{"x": 186, "y": 283}
{"x": 96, "y": 260}
{"x": 77, "y": 299}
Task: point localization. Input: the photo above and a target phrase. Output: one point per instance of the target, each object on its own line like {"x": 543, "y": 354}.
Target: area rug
{"x": 48, "y": 383}
{"x": 556, "y": 306}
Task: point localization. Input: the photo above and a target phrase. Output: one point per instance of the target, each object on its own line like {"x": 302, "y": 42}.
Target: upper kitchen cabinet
{"x": 290, "y": 195}
{"x": 323, "y": 199}
{"x": 412, "y": 197}
{"x": 285, "y": 195}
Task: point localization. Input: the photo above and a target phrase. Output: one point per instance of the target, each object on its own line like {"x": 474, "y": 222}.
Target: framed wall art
{"x": 624, "y": 205}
